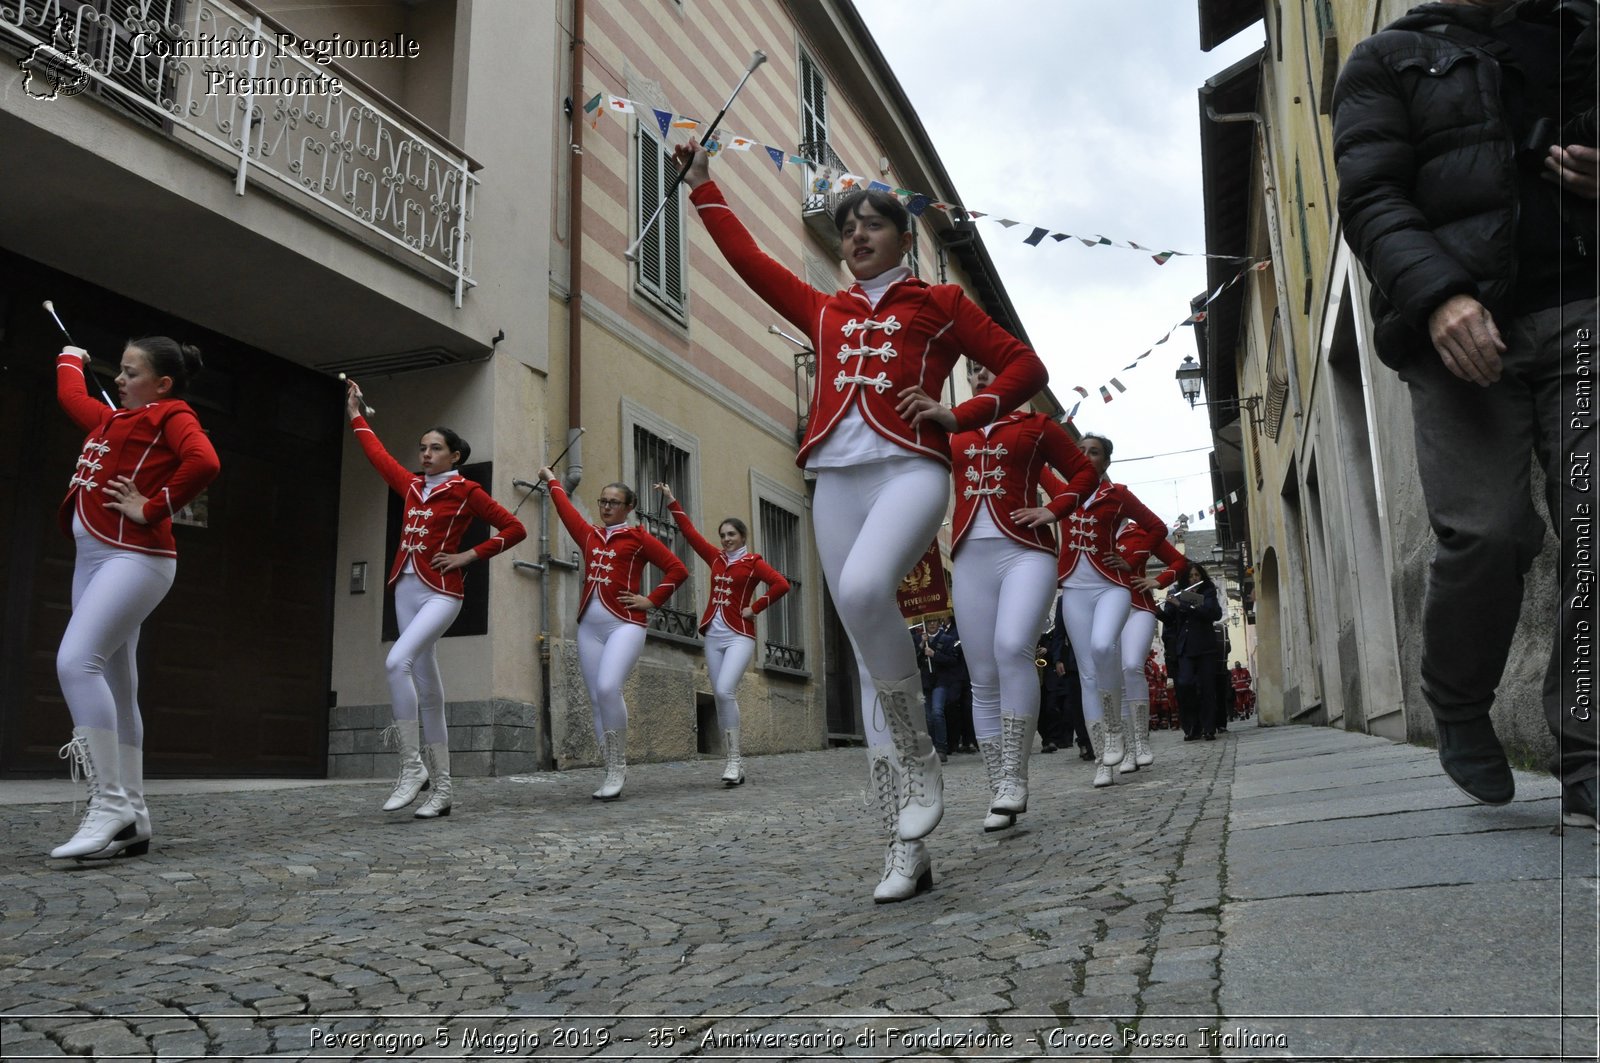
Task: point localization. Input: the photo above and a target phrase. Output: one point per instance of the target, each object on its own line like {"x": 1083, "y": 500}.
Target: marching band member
{"x": 427, "y": 580}
{"x": 1095, "y": 598}
{"x": 139, "y": 466}
{"x": 1005, "y": 559}
{"x": 1134, "y": 547}
{"x": 878, "y": 441}
{"x": 611, "y": 613}
{"x": 729, "y": 621}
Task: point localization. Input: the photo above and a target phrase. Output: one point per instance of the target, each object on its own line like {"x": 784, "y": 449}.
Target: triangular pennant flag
{"x": 740, "y": 143}
{"x": 821, "y": 183}
{"x": 975, "y": 215}
{"x": 1088, "y": 241}
{"x": 1058, "y": 237}
{"x": 1036, "y": 236}
{"x": 903, "y": 193}
{"x": 619, "y": 104}
{"x": 798, "y": 160}
{"x": 1118, "y": 384}
{"x": 1233, "y": 496}
{"x": 877, "y": 186}
{"x": 663, "y": 119}
{"x": 1007, "y": 222}
{"x": 1132, "y": 365}
{"x": 1080, "y": 391}
{"x": 1102, "y": 240}
{"x": 1163, "y": 339}
{"x": 916, "y": 205}
{"x": 947, "y": 208}
{"x": 1074, "y": 411}
{"x": 1104, "y": 394}
{"x": 1263, "y": 264}
{"x": 715, "y": 147}
{"x": 594, "y": 102}
{"x": 850, "y": 180}
{"x": 685, "y": 123}
{"x": 777, "y": 158}
{"x": 1161, "y": 259}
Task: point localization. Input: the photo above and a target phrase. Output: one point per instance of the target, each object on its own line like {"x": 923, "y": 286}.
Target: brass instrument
{"x": 1040, "y": 663}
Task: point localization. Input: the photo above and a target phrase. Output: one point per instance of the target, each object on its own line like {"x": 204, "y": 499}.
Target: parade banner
{"x": 924, "y": 589}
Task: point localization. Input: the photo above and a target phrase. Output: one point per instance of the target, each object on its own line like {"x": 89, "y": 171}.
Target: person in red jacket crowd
{"x": 729, "y": 621}
{"x": 1005, "y": 561}
{"x": 611, "y": 613}
{"x": 426, "y": 576}
{"x": 878, "y": 441}
{"x": 139, "y": 466}
{"x": 1134, "y": 546}
{"x": 1095, "y": 598}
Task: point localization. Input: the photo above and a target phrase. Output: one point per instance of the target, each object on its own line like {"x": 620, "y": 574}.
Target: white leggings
{"x": 1094, "y": 616}
{"x": 415, "y": 687}
{"x": 1137, "y": 635}
{"x": 728, "y": 654}
{"x": 1002, "y": 593}
{"x": 873, "y": 522}
{"x": 608, "y": 648}
{"x": 113, "y": 590}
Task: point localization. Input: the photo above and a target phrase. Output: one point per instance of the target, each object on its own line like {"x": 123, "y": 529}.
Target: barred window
{"x": 785, "y": 619}
{"x": 657, "y": 460}
{"x": 813, "y": 105}
{"x": 660, "y": 271}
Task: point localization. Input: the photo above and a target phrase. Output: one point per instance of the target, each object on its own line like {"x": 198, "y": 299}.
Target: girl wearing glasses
{"x": 878, "y": 440}
{"x": 426, "y": 576}
{"x": 611, "y": 614}
{"x": 729, "y": 621}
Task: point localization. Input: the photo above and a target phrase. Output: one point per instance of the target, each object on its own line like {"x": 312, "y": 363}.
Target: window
{"x": 813, "y": 109}
{"x": 1305, "y": 232}
{"x": 785, "y": 619}
{"x": 660, "y": 270}
{"x": 658, "y": 460}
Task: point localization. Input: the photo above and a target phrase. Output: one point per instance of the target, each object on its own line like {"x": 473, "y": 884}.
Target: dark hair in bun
{"x": 168, "y": 357}
{"x": 454, "y": 442}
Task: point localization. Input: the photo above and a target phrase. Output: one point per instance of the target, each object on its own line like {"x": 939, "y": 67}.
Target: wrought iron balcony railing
{"x": 223, "y": 82}
{"x": 816, "y": 208}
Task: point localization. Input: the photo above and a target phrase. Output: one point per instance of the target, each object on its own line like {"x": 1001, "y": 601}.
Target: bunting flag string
{"x": 830, "y": 179}
{"x": 1114, "y": 387}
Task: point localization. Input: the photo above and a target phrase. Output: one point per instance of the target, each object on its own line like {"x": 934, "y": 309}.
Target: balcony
{"x": 229, "y": 85}
{"x": 816, "y": 208}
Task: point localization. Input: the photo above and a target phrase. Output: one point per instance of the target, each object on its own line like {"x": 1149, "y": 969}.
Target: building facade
{"x": 1312, "y": 425}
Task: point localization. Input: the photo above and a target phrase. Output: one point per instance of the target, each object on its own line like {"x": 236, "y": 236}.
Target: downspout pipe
{"x": 574, "y": 471}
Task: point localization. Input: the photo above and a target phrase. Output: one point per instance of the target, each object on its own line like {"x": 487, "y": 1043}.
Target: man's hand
{"x": 1469, "y": 344}
{"x": 1575, "y": 168}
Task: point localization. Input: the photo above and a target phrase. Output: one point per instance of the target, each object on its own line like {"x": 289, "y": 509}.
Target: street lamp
{"x": 1190, "y": 375}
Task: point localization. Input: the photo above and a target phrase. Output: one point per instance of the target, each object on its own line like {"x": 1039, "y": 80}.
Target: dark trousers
{"x": 1197, "y": 696}
{"x": 1472, "y": 456}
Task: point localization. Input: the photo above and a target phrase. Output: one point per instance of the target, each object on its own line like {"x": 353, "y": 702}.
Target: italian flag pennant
{"x": 1161, "y": 259}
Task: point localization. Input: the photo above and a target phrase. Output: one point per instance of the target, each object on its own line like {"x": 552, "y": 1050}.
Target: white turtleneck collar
{"x": 876, "y": 286}
{"x": 433, "y": 480}
{"x": 734, "y": 555}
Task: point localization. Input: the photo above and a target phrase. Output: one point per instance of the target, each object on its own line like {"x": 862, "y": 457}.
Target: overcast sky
{"x": 1081, "y": 116}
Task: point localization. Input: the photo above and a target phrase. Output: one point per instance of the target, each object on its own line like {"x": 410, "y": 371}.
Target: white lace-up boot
{"x": 990, "y": 748}
{"x": 438, "y": 757}
{"x": 1016, "y": 742}
{"x": 1112, "y": 712}
{"x": 907, "y": 870}
{"x": 616, "y": 754}
{"x": 413, "y": 778}
{"x": 733, "y": 773}
{"x": 1097, "y": 742}
{"x": 920, "y": 779}
{"x": 108, "y": 821}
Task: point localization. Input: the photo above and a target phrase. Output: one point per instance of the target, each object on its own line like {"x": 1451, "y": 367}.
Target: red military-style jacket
{"x": 436, "y": 525}
{"x": 614, "y": 561}
{"x": 866, "y": 356}
{"x": 1091, "y": 529}
{"x": 732, "y": 582}
{"x": 161, "y": 446}
{"x": 1136, "y": 545}
{"x": 1000, "y": 471}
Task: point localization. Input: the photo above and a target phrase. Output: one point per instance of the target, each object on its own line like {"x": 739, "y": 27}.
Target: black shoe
{"x": 1048, "y": 747}
{"x": 1577, "y": 804}
{"x": 1086, "y": 754}
{"x": 1211, "y": 738}
{"x": 1190, "y": 738}
{"x": 1472, "y": 757}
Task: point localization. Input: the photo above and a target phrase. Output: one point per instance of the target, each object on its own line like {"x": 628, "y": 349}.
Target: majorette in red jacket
{"x": 161, "y": 446}
{"x": 732, "y": 582}
{"x": 867, "y": 356}
{"x": 614, "y": 561}
{"x": 1136, "y": 545}
{"x": 436, "y": 525}
{"x": 1091, "y": 529}
{"x": 1001, "y": 471}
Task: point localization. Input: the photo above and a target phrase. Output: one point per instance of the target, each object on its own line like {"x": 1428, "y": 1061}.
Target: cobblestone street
{"x": 1195, "y": 909}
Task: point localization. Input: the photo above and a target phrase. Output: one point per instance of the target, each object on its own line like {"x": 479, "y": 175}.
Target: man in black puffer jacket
{"x": 1464, "y": 135}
